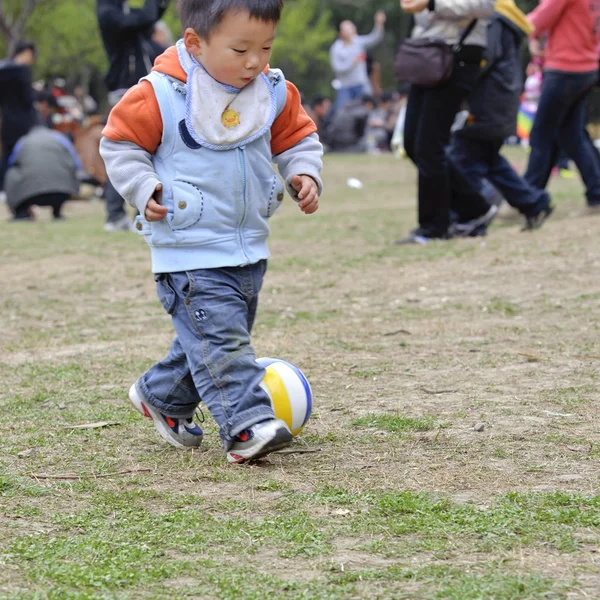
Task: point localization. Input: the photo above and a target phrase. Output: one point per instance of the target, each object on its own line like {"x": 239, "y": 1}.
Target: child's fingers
{"x": 308, "y": 197}
{"x": 311, "y": 207}
{"x": 153, "y": 216}
{"x": 155, "y": 211}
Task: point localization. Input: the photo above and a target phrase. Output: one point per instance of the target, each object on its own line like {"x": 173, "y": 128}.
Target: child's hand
{"x": 154, "y": 210}
{"x": 307, "y": 193}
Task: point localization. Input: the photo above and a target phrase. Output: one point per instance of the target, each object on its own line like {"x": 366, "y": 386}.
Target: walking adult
{"x": 127, "y": 37}
{"x": 16, "y": 100}
{"x": 348, "y": 56}
{"x": 570, "y": 73}
{"x": 430, "y": 112}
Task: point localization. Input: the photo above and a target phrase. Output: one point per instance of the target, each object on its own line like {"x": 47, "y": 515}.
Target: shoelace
{"x": 199, "y": 415}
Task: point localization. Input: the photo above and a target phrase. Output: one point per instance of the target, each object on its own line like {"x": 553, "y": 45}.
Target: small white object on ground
{"x": 479, "y": 427}
{"x": 555, "y": 414}
{"x": 355, "y": 184}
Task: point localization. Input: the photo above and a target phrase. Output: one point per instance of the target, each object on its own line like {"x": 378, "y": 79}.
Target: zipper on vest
{"x": 242, "y": 156}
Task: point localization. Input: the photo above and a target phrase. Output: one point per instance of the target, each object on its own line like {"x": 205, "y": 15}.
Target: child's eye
{"x": 267, "y": 48}
{"x": 239, "y": 51}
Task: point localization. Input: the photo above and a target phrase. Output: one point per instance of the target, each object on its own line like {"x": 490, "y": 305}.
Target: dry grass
{"x": 407, "y": 349}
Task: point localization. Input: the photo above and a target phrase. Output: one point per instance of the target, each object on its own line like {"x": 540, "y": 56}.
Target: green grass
{"x": 395, "y": 423}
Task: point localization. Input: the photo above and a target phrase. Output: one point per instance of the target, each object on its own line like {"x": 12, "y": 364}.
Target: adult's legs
{"x": 54, "y": 201}
{"x": 8, "y": 144}
{"x": 562, "y": 109}
{"x": 469, "y": 161}
{"x": 527, "y": 199}
{"x": 115, "y": 206}
{"x": 346, "y": 95}
{"x": 438, "y": 109}
{"x": 574, "y": 138}
{"x": 563, "y": 159}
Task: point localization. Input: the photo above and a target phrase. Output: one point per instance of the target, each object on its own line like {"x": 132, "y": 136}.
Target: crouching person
{"x": 493, "y": 106}
{"x": 42, "y": 171}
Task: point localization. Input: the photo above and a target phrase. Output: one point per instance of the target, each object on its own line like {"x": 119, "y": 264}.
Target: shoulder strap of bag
{"x": 466, "y": 33}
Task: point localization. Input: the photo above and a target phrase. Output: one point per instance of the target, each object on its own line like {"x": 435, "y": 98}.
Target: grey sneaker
{"x": 123, "y": 224}
{"x": 259, "y": 440}
{"x": 181, "y": 433}
{"x": 467, "y": 228}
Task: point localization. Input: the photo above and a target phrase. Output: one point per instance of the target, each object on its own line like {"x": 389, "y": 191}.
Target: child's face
{"x": 237, "y": 51}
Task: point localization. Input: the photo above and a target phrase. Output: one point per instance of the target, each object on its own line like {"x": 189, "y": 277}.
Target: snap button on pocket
{"x": 139, "y": 226}
{"x": 182, "y": 205}
{"x": 280, "y": 196}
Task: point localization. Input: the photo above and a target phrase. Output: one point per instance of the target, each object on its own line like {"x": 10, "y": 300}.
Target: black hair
{"x": 23, "y": 46}
{"x": 204, "y": 16}
{"x": 368, "y": 99}
{"x": 48, "y": 97}
{"x": 318, "y": 100}
{"x": 386, "y": 96}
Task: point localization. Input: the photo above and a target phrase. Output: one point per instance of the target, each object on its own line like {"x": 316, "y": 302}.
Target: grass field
{"x": 455, "y": 423}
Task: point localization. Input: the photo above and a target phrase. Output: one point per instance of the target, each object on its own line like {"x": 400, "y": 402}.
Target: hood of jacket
{"x": 513, "y": 16}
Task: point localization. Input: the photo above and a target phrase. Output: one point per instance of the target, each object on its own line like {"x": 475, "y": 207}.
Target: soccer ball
{"x": 289, "y": 392}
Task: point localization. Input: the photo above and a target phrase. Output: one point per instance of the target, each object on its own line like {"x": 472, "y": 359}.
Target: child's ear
{"x": 193, "y": 42}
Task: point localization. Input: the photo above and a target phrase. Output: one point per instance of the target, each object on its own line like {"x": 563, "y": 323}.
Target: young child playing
{"x": 191, "y": 147}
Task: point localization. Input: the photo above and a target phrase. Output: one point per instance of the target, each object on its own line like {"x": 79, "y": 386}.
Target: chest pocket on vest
{"x": 188, "y": 204}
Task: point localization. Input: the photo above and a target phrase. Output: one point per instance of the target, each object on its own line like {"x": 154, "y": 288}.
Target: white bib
{"x": 221, "y": 117}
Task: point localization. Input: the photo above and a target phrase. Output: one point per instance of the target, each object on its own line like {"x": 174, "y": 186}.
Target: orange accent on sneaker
{"x": 146, "y": 413}
{"x": 170, "y": 422}
{"x": 244, "y": 436}
{"x": 237, "y": 457}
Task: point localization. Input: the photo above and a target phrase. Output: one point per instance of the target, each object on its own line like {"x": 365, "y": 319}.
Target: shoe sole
{"x": 282, "y": 439}
{"x": 164, "y": 432}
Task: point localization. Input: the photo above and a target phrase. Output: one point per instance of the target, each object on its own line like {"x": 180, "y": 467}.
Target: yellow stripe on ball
{"x": 279, "y": 397}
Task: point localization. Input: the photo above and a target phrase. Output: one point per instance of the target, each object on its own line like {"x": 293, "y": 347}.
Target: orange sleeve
{"x": 136, "y": 118}
{"x": 292, "y": 125}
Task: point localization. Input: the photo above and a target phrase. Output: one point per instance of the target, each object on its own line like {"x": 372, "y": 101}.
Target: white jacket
{"x": 449, "y": 19}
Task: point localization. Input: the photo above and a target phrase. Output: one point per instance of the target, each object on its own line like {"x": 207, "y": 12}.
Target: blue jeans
{"x": 211, "y": 358}
{"x": 560, "y": 122}
{"x": 481, "y": 159}
{"x": 346, "y": 95}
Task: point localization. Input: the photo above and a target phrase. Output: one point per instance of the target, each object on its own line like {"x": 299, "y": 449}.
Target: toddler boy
{"x": 191, "y": 148}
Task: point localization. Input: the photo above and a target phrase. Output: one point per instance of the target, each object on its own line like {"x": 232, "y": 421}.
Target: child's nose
{"x": 252, "y": 63}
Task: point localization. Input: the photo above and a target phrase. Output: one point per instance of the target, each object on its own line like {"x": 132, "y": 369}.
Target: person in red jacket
{"x": 570, "y": 72}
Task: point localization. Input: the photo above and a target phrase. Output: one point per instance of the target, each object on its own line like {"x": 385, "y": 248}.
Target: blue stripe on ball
{"x": 306, "y": 388}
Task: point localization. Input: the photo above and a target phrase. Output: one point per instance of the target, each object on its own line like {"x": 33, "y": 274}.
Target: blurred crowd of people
{"x": 453, "y": 132}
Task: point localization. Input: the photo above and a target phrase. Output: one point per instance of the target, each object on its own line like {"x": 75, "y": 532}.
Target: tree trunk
{"x": 13, "y": 22}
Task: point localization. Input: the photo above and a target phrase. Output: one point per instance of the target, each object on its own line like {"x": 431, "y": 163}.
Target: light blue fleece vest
{"x": 218, "y": 200}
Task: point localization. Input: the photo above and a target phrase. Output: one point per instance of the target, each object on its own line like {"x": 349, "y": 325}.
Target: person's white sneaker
{"x": 259, "y": 440}
{"x": 181, "y": 433}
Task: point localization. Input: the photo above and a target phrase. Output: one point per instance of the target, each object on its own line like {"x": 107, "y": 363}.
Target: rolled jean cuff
{"x": 244, "y": 421}
{"x": 181, "y": 412}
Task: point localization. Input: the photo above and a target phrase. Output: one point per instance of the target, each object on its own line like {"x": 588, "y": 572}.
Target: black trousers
{"x": 430, "y": 113}
{"x": 55, "y": 201}
{"x": 8, "y": 144}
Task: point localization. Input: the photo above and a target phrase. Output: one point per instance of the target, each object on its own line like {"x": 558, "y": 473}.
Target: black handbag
{"x": 428, "y": 62}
